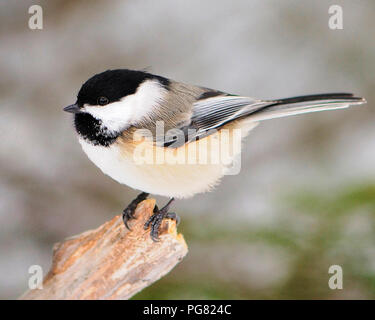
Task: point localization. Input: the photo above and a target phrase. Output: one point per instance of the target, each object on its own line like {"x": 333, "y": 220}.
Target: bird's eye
{"x": 102, "y": 101}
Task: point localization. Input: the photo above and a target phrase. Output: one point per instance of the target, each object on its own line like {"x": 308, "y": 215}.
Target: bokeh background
{"x": 305, "y": 197}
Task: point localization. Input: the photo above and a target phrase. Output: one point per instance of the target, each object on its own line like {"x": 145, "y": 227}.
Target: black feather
{"x": 92, "y": 130}
{"x": 114, "y": 85}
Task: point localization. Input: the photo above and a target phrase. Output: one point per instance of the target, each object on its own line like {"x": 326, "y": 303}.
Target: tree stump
{"x": 111, "y": 262}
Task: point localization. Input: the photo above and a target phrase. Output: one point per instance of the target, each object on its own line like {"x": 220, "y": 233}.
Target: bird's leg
{"x": 128, "y": 212}
{"x": 157, "y": 218}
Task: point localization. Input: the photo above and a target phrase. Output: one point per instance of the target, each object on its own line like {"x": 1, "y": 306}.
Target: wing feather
{"x": 214, "y": 112}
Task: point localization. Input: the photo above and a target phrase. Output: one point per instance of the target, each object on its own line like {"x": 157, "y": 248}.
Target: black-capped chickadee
{"x": 117, "y": 107}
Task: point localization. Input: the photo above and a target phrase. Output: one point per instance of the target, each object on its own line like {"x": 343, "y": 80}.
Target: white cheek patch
{"x": 131, "y": 109}
{"x": 115, "y": 116}
{"x": 147, "y": 99}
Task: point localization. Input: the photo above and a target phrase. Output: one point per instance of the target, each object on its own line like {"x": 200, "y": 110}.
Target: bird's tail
{"x": 305, "y": 104}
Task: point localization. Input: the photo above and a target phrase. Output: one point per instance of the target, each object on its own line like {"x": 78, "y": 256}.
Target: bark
{"x": 111, "y": 262}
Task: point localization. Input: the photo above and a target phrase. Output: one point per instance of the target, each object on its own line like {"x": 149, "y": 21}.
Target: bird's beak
{"x": 73, "y": 108}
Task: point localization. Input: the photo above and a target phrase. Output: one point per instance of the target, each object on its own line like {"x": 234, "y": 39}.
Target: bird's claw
{"x": 128, "y": 212}
{"x": 127, "y": 215}
{"x": 155, "y": 221}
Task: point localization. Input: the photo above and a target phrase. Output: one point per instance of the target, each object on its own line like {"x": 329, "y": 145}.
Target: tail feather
{"x": 305, "y": 104}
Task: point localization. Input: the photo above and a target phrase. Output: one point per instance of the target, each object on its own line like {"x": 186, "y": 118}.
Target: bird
{"x": 166, "y": 137}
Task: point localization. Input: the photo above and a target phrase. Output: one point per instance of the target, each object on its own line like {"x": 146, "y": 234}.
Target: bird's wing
{"x": 212, "y": 111}
{"x": 215, "y": 110}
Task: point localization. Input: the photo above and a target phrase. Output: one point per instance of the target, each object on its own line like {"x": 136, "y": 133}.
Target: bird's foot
{"x": 155, "y": 221}
{"x": 128, "y": 212}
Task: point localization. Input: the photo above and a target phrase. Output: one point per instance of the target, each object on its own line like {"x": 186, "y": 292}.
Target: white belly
{"x": 178, "y": 180}
{"x": 169, "y": 180}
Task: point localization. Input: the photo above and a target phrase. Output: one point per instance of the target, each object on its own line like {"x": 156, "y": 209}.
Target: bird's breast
{"x": 182, "y": 172}
{"x": 180, "y": 180}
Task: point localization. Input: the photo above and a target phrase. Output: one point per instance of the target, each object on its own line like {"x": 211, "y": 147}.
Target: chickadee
{"x": 114, "y": 106}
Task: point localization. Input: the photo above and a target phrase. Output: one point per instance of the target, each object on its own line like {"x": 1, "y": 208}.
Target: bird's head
{"x": 117, "y": 99}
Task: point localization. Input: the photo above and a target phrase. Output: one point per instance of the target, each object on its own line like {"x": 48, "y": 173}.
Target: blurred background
{"x": 305, "y": 197}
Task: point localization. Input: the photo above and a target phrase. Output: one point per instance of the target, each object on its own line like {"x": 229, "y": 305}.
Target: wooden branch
{"x": 111, "y": 262}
